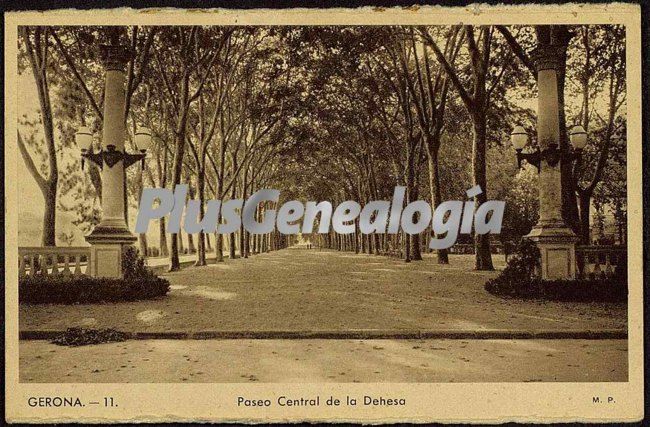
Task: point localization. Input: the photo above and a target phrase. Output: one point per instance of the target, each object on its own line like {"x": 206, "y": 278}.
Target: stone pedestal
{"x": 555, "y": 240}
{"x": 106, "y": 253}
{"x": 557, "y": 248}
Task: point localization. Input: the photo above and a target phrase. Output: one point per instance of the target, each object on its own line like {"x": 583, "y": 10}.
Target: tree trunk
{"x": 411, "y": 242}
{"x": 242, "y": 230}
{"x": 585, "y": 202}
{"x": 218, "y": 244}
{"x": 231, "y": 237}
{"x": 164, "y": 251}
{"x": 191, "y": 249}
{"x": 405, "y": 244}
{"x": 179, "y": 134}
{"x": 231, "y": 245}
{"x": 436, "y": 194}
{"x": 142, "y": 239}
{"x": 483, "y": 259}
{"x": 406, "y": 238}
{"x": 200, "y": 184}
{"x": 219, "y": 247}
{"x": 38, "y": 57}
{"x": 181, "y": 246}
{"x": 49, "y": 217}
{"x": 175, "y": 263}
{"x": 416, "y": 254}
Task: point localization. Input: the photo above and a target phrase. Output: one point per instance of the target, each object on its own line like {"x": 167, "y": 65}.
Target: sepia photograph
{"x": 333, "y": 203}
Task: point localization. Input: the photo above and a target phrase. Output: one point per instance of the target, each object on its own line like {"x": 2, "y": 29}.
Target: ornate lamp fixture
{"x": 551, "y": 154}
{"x": 110, "y": 156}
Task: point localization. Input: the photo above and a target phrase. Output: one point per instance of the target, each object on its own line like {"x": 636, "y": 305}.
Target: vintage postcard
{"x": 372, "y": 215}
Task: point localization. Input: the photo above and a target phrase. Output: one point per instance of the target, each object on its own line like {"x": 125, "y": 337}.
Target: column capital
{"x": 548, "y": 57}
{"x": 115, "y": 57}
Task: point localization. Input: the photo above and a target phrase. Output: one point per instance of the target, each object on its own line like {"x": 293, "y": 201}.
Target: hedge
{"x": 138, "y": 283}
{"x": 520, "y": 280}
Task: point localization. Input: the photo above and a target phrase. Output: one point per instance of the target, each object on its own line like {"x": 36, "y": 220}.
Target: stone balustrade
{"x": 498, "y": 248}
{"x": 599, "y": 261}
{"x": 53, "y": 260}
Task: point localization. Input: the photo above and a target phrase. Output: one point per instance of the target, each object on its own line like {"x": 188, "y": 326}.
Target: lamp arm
{"x": 130, "y": 159}
{"x": 96, "y": 158}
{"x": 533, "y": 158}
{"x": 110, "y": 156}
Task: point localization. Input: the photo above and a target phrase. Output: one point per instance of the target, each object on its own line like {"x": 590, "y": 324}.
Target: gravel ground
{"x": 306, "y": 290}
{"x": 295, "y": 361}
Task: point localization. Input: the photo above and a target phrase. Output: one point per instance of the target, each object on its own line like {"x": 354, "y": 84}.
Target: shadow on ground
{"x": 312, "y": 290}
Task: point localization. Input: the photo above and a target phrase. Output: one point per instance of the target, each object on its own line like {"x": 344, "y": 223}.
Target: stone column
{"x": 556, "y": 241}
{"x": 111, "y": 235}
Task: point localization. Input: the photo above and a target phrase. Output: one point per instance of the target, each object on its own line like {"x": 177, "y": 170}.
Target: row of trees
{"x": 328, "y": 113}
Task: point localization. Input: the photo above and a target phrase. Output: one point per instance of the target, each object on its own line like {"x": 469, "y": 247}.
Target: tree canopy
{"x": 324, "y": 113}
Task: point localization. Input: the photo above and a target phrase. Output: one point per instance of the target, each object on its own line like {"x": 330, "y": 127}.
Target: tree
{"x": 399, "y": 53}
{"x": 37, "y": 46}
{"x": 477, "y": 101}
{"x": 602, "y": 70}
{"x": 429, "y": 93}
{"x": 184, "y": 65}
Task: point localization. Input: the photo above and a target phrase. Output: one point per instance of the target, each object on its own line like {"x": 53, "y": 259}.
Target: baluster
{"x": 32, "y": 265}
{"x": 49, "y": 264}
{"x": 55, "y": 264}
{"x": 608, "y": 265}
{"x": 32, "y": 270}
{"x": 588, "y": 269}
{"x": 21, "y": 265}
{"x": 66, "y": 265}
{"x": 579, "y": 265}
{"x": 77, "y": 265}
{"x": 42, "y": 263}
{"x": 621, "y": 263}
{"x": 597, "y": 271}
{"x": 38, "y": 262}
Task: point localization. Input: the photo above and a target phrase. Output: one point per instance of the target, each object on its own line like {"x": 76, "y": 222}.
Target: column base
{"x": 106, "y": 247}
{"x": 556, "y": 243}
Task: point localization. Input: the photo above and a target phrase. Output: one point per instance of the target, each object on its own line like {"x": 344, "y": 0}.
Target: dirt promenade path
{"x": 314, "y": 290}
{"x": 316, "y": 361}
